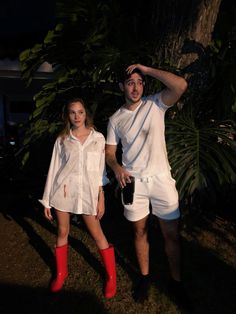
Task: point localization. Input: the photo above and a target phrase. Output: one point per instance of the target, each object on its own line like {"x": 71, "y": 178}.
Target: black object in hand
{"x": 128, "y": 192}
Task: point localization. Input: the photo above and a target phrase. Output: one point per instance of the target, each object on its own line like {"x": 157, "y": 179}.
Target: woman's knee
{"x": 63, "y": 232}
{"x": 98, "y": 235}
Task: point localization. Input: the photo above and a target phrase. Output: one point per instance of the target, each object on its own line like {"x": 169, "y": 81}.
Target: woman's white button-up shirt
{"x": 75, "y": 173}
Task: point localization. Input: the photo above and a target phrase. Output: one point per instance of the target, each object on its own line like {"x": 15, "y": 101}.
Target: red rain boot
{"x": 61, "y": 265}
{"x": 108, "y": 256}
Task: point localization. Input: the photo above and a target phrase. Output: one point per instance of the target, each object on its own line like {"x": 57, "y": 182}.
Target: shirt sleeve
{"x": 103, "y": 179}
{"x": 157, "y": 99}
{"x": 53, "y": 169}
{"x": 112, "y": 136}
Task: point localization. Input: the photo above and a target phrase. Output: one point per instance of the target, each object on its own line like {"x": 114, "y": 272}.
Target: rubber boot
{"x": 61, "y": 265}
{"x": 108, "y": 257}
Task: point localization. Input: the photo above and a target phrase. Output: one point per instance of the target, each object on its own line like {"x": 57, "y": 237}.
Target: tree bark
{"x": 183, "y": 29}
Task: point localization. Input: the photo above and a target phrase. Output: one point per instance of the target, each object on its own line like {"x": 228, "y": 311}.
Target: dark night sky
{"x": 25, "y": 15}
{"x": 24, "y": 23}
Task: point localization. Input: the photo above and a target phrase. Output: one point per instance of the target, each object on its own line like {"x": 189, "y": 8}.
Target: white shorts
{"x": 161, "y": 192}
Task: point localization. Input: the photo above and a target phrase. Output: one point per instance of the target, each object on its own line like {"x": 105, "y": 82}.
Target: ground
{"x": 27, "y": 263}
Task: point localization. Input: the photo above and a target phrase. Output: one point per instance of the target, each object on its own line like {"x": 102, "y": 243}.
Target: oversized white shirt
{"x": 75, "y": 173}
{"x": 142, "y": 135}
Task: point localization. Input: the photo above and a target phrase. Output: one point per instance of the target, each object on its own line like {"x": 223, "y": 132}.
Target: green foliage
{"x": 201, "y": 156}
{"x": 84, "y": 58}
{"x": 91, "y": 43}
{"x": 201, "y": 137}
{"x": 223, "y": 65}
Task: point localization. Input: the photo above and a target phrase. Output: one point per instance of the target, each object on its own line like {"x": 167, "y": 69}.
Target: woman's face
{"x": 77, "y": 114}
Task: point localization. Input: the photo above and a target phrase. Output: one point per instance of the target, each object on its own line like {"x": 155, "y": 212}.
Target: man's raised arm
{"x": 175, "y": 85}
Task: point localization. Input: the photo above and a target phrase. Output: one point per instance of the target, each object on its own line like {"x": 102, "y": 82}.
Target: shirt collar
{"x": 71, "y": 136}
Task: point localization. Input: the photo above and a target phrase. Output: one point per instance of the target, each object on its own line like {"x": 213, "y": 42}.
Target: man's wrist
{"x": 117, "y": 167}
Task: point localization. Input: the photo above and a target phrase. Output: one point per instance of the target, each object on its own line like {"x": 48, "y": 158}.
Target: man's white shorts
{"x": 158, "y": 190}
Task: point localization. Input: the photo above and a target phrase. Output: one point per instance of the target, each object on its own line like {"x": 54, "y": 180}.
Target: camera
{"x": 128, "y": 192}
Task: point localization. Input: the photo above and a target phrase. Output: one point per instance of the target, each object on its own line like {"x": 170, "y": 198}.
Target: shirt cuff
{"x": 45, "y": 203}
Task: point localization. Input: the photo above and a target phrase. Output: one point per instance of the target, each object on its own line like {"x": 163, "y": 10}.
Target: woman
{"x": 74, "y": 186}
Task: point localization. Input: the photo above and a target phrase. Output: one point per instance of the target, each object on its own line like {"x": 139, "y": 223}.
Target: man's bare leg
{"x": 141, "y": 244}
{"x": 142, "y": 253}
{"x": 176, "y": 289}
{"x": 170, "y": 231}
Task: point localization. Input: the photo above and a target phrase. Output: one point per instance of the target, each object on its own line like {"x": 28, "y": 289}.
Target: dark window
{"x": 21, "y": 106}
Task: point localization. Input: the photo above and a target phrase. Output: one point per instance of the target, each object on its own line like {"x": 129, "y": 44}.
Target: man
{"x": 139, "y": 125}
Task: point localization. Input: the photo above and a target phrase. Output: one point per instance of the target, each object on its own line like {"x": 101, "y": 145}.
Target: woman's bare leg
{"x": 94, "y": 228}
{"x": 63, "y": 227}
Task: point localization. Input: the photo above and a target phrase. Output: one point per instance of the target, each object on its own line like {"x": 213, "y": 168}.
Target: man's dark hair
{"x": 123, "y": 75}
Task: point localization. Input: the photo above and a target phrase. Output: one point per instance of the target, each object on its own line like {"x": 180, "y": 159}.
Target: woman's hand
{"x": 48, "y": 214}
{"x": 101, "y": 204}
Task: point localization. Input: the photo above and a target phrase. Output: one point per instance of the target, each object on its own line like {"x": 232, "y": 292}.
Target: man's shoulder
{"x": 116, "y": 114}
{"x": 152, "y": 97}
{"x": 157, "y": 100}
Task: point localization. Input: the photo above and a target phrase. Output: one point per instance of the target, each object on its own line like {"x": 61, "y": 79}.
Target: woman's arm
{"x": 54, "y": 166}
{"x": 101, "y": 203}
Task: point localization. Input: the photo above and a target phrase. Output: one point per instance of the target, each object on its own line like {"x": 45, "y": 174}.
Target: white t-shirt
{"x": 142, "y": 135}
{"x": 75, "y": 173}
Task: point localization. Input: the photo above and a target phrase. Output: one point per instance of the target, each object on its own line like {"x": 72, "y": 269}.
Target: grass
{"x": 27, "y": 263}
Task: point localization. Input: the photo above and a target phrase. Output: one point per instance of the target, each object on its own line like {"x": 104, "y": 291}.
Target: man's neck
{"x": 132, "y": 106}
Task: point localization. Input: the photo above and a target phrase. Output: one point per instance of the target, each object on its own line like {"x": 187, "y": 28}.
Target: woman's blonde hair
{"x": 65, "y": 117}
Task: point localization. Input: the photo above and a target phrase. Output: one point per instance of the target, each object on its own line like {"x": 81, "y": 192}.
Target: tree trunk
{"x": 192, "y": 20}
{"x": 183, "y": 30}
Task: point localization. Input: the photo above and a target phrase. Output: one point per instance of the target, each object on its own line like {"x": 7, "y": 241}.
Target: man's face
{"x": 133, "y": 88}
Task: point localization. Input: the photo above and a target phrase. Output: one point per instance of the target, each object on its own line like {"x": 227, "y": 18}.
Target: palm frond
{"x": 200, "y": 156}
